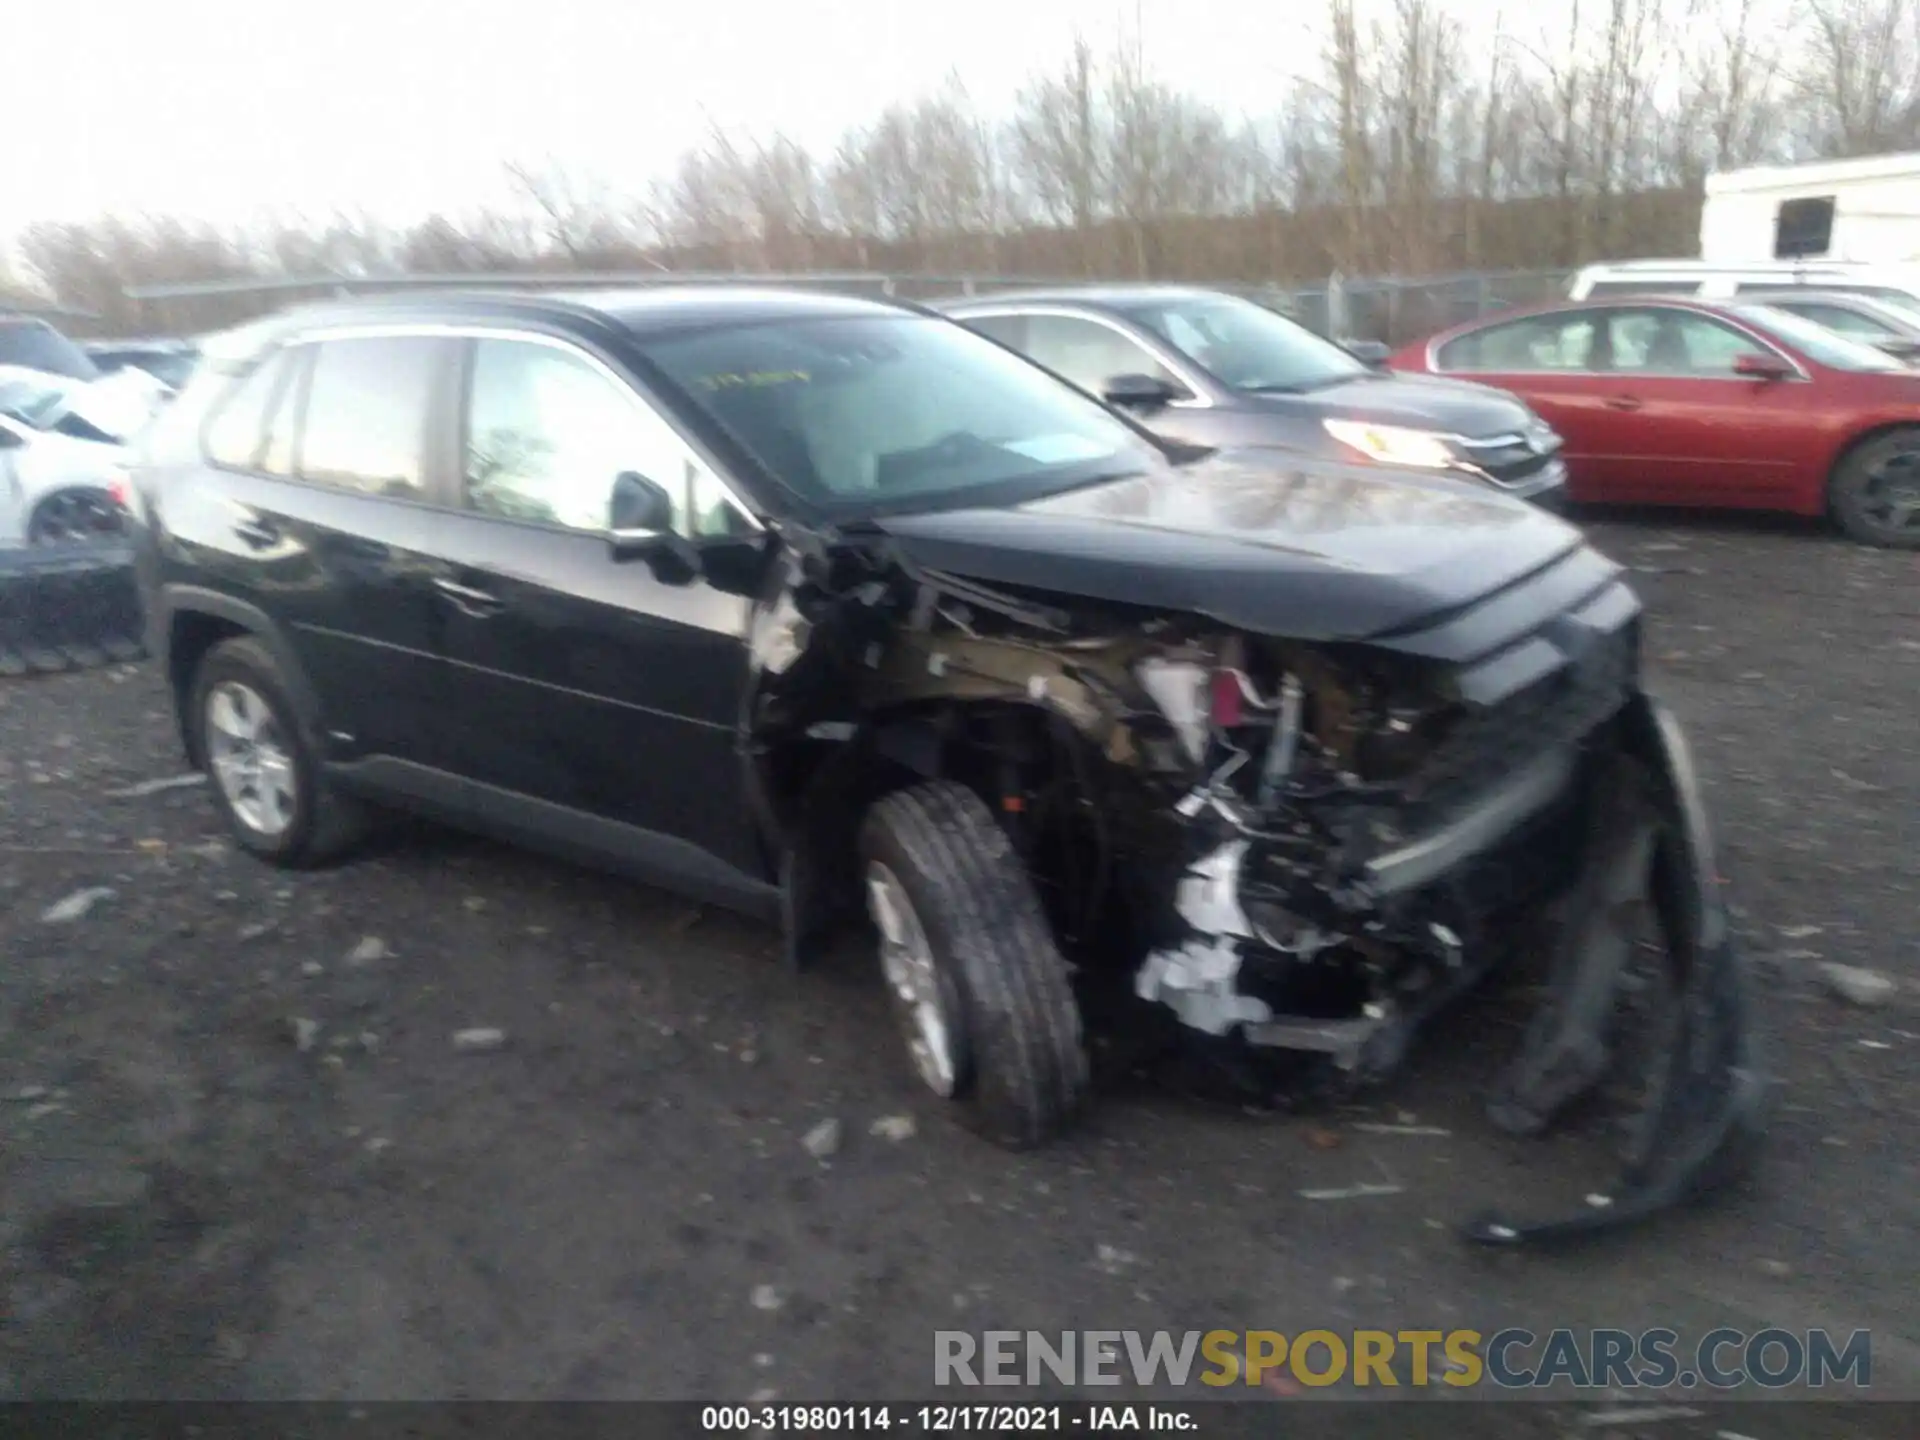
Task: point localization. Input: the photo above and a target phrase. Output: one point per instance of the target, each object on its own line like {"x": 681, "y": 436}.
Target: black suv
{"x": 795, "y": 601}
{"x": 1208, "y": 368}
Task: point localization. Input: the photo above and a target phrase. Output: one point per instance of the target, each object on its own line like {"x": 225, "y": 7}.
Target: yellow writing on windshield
{"x": 753, "y": 379}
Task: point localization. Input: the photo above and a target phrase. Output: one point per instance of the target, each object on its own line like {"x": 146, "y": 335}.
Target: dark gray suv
{"x": 1208, "y": 368}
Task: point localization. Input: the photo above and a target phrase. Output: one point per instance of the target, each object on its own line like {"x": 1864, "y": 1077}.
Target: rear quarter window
{"x": 237, "y": 427}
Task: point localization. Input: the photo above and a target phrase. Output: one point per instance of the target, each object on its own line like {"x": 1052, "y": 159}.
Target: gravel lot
{"x": 241, "y": 1154}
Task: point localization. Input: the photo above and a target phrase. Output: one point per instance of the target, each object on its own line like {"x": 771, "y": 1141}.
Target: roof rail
{"x": 886, "y": 282}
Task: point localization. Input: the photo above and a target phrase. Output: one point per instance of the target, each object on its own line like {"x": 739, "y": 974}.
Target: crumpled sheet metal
{"x": 1702, "y": 1118}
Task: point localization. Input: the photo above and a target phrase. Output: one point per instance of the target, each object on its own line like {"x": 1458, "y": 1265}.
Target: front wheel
{"x": 980, "y": 989}
{"x": 1875, "y": 490}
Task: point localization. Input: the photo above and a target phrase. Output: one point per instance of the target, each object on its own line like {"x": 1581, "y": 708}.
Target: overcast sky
{"x": 219, "y": 110}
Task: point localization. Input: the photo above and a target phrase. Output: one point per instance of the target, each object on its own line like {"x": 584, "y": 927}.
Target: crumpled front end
{"x": 1290, "y": 856}
{"x": 1376, "y": 829}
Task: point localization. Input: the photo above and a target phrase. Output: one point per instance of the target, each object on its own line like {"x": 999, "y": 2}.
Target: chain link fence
{"x": 1399, "y": 310}
{"x": 1390, "y": 309}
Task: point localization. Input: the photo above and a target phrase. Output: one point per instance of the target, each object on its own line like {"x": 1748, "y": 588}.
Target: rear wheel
{"x": 980, "y": 989}
{"x": 1875, "y": 490}
{"x": 266, "y": 778}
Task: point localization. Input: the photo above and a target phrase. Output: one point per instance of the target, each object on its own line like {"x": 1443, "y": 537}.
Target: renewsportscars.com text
{"x": 1507, "y": 1359}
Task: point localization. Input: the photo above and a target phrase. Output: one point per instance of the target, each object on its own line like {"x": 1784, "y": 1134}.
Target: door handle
{"x": 1622, "y": 402}
{"x": 257, "y": 533}
{"x": 468, "y": 599}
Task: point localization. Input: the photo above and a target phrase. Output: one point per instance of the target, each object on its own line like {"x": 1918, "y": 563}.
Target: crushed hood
{"x": 1272, "y": 545}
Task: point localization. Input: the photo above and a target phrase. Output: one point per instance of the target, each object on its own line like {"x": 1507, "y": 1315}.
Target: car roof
{"x": 1092, "y": 297}
{"x": 1726, "y": 309}
{"x": 1722, "y": 267}
{"x": 638, "y": 310}
{"x": 1803, "y": 293}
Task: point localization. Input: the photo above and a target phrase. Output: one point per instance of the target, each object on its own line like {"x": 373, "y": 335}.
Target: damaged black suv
{"x": 807, "y": 604}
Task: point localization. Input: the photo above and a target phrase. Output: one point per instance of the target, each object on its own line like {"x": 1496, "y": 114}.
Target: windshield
{"x": 1908, "y": 305}
{"x": 39, "y": 400}
{"x": 36, "y": 345}
{"x": 1818, "y": 343}
{"x": 897, "y": 412}
{"x": 1247, "y": 346}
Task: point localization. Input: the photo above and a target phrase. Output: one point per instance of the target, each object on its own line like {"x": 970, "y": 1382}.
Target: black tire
{"x": 324, "y": 824}
{"x": 1853, "y": 496}
{"x": 1021, "y": 1067}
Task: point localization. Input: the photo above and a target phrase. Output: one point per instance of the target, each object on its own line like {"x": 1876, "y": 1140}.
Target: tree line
{"x": 1420, "y": 141}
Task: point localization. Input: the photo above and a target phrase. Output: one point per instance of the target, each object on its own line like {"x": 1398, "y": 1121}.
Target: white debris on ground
{"x": 155, "y": 787}
{"x": 823, "y": 1140}
{"x": 478, "y": 1040}
{"x": 894, "y": 1127}
{"x": 1352, "y": 1192}
{"x": 370, "y": 950}
{"x": 76, "y": 906}
{"x": 1856, "y": 985}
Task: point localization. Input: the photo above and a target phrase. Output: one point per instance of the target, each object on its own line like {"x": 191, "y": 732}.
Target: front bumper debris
{"x": 1641, "y": 972}
{"x": 1702, "y": 1116}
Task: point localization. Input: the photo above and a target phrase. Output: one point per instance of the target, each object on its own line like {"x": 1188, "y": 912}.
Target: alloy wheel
{"x": 913, "y": 976}
{"x": 250, "y": 759}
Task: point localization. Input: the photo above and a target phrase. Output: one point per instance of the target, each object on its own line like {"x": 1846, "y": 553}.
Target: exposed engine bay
{"x": 1291, "y": 855}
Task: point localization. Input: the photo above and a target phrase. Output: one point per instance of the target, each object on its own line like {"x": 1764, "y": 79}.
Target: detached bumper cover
{"x": 1650, "y": 848}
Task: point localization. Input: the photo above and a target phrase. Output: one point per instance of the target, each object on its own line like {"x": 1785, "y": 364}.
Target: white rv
{"x": 1865, "y": 211}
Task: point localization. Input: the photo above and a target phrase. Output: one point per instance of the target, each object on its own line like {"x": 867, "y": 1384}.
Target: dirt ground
{"x": 241, "y": 1154}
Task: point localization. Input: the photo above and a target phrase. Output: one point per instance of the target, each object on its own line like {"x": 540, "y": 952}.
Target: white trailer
{"x": 1865, "y": 211}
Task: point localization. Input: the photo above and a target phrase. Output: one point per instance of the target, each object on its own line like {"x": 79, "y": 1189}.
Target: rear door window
{"x": 366, "y": 414}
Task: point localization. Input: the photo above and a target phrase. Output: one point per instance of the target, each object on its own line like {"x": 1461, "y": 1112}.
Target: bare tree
{"x": 1858, "y": 80}
{"x": 1060, "y": 143}
{"x": 581, "y": 221}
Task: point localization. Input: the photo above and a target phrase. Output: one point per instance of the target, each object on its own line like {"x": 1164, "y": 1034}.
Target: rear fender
{"x": 172, "y": 628}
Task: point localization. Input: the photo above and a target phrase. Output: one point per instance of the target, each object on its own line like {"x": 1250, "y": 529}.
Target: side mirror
{"x": 1142, "y": 392}
{"x": 640, "y": 527}
{"x": 1371, "y": 353}
{"x": 1899, "y": 348}
{"x": 1761, "y": 367}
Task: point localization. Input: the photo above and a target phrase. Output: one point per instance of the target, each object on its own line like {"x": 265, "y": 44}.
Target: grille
{"x": 1512, "y": 460}
{"x": 1485, "y": 745}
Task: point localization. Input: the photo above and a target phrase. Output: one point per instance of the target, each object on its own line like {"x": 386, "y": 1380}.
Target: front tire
{"x": 1874, "y": 492}
{"x": 976, "y": 980}
{"x": 264, "y": 774}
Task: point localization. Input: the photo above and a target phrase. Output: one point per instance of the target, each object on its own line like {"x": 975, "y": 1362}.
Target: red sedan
{"x": 1684, "y": 402}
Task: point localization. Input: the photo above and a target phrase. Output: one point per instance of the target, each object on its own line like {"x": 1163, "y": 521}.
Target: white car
{"x": 1897, "y": 285}
{"x": 61, "y": 444}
